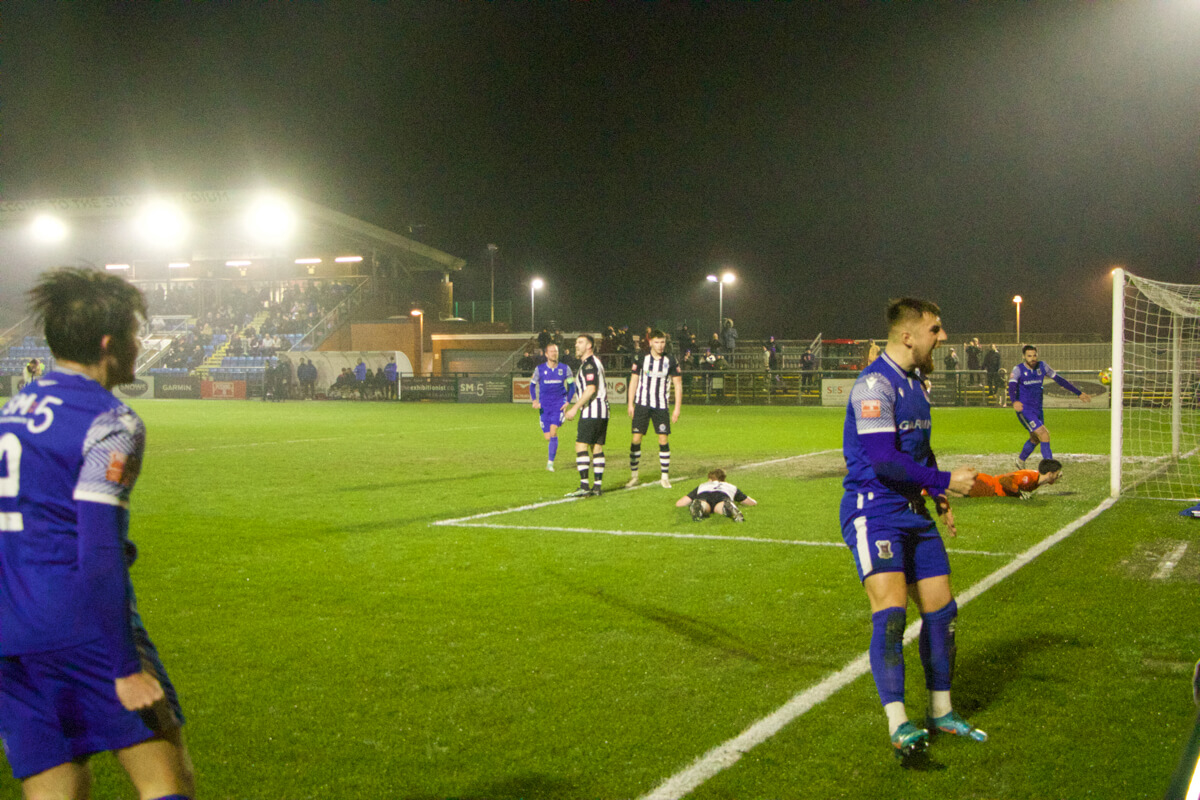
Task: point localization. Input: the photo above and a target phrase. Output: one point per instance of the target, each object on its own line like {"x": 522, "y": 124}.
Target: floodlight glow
{"x": 538, "y": 283}
{"x": 711, "y": 279}
{"x": 237, "y": 263}
{"x": 271, "y": 219}
{"x": 348, "y": 259}
{"x": 416, "y": 312}
{"x": 1017, "y": 299}
{"x": 48, "y": 229}
{"x": 178, "y": 265}
{"x": 728, "y": 277}
{"x": 308, "y": 261}
{"x": 161, "y": 223}
{"x": 116, "y": 266}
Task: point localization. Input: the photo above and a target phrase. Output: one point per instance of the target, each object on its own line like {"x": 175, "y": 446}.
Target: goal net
{"x": 1155, "y": 389}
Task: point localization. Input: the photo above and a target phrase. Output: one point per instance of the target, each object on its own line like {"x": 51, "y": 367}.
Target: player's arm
{"x": 677, "y": 383}
{"x": 585, "y": 396}
{"x": 741, "y": 497}
{"x": 1070, "y": 387}
{"x": 1014, "y": 390}
{"x": 533, "y": 387}
{"x": 686, "y": 500}
{"x": 631, "y": 393}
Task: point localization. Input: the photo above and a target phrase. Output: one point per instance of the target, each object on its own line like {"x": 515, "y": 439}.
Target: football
{"x": 1106, "y": 376}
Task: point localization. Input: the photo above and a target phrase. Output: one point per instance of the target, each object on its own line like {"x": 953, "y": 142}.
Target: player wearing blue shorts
{"x": 1025, "y": 392}
{"x": 550, "y": 388}
{"x": 78, "y": 673}
{"x": 894, "y": 540}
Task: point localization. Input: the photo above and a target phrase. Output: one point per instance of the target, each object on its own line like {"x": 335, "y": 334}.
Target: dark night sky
{"x": 833, "y": 154}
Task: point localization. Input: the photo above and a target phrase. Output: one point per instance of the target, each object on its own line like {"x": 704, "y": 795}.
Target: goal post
{"x": 1155, "y": 386}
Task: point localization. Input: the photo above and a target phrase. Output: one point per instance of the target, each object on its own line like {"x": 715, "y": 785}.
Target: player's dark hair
{"x": 717, "y": 475}
{"x": 589, "y": 337}
{"x": 1027, "y": 348}
{"x": 909, "y": 309}
{"x": 79, "y": 307}
{"x": 1048, "y": 465}
{"x": 657, "y": 334}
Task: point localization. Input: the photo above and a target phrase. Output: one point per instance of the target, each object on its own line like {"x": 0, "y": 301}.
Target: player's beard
{"x": 925, "y": 363}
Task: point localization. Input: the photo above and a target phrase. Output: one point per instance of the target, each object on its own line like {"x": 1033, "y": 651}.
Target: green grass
{"x": 329, "y": 641}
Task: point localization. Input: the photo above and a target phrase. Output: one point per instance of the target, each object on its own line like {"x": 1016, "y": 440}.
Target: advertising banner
{"x": 618, "y": 390}
{"x": 520, "y": 390}
{"x": 140, "y": 387}
{"x": 223, "y": 390}
{"x": 836, "y": 391}
{"x": 486, "y": 390}
{"x": 177, "y": 387}
{"x": 428, "y": 388}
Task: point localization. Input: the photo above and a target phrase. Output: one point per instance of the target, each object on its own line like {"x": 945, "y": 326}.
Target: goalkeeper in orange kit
{"x": 1020, "y": 484}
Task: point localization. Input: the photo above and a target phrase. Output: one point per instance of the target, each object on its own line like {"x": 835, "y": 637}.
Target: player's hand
{"x": 1018, "y": 406}
{"x": 570, "y": 413}
{"x": 962, "y": 479}
{"x": 537, "y": 405}
{"x": 675, "y": 416}
{"x": 631, "y": 411}
{"x": 946, "y": 517}
{"x": 139, "y": 690}
{"x": 1085, "y": 397}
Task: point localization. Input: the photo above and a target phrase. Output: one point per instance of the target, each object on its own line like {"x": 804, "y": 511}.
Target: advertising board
{"x": 485, "y": 390}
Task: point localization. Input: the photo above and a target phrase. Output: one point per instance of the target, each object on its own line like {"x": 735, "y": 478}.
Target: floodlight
{"x": 538, "y": 283}
{"x": 161, "y": 223}
{"x": 308, "y": 261}
{"x": 117, "y": 267}
{"x": 178, "y": 265}
{"x": 348, "y": 259}
{"x": 271, "y": 219}
{"x": 711, "y": 278}
{"x": 237, "y": 263}
{"x": 48, "y": 229}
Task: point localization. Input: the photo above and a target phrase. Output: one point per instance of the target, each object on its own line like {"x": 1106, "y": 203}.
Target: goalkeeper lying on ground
{"x": 1021, "y": 483}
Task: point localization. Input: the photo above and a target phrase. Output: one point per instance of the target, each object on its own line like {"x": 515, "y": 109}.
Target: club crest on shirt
{"x": 885, "y": 550}
{"x": 871, "y": 409}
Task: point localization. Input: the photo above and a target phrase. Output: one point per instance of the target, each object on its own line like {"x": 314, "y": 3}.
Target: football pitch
{"x": 395, "y": 601}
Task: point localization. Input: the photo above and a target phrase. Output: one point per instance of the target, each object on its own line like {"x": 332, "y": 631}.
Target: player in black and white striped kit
{"x": 592, "y": 407}
{"x": 650, "y": 377}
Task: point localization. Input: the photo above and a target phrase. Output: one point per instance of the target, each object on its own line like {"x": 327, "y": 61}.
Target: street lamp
{"x": 492, "y": 255}
{"x": 1017, "y": 300}
{"x": 727, "y": 277}
{"x": 534, "y": 285}
{"x": 420, "y": 315}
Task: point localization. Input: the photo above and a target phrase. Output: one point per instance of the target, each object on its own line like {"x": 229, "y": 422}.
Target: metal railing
{"x": 334, "y": 319}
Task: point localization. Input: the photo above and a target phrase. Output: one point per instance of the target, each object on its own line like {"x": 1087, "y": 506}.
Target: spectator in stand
{"x": 714, "y": 344}
{"x": 644, "y": 344}
{"x": 625, "y": 340}
{"x": 729, "y": 336}
{"x": 391, "y": 376}
{"x": 974, "y": 357}
{"x": 608, "y": 342}
{"x": 808, "y": 366}
{"x": 991, "y": 366}
{"x": 526, "y": 362}
{"x": 775, "y": 360}
{"x": 872, "y": 350}
{"x": 32, "y": 371}
{"x": 544, "y": 338}
{"x": 687, "y": 339}
{"x": 283, "y": 379}
{"x": 951, "y": 364}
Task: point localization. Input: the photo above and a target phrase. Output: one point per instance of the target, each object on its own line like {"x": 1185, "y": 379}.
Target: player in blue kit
{"x": 78, "y": 673}
{"x": 550, "y": 389}
{"x": 1025, "y": 392}
{"x": 894, "y": 540}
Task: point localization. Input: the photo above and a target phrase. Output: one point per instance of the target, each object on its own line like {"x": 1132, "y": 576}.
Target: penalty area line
{"x": 730, "y": 752}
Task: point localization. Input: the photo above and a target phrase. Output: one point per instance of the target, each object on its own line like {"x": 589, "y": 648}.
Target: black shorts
{"x": 713, "y": 498}
{"x": 592, "y": 431}
{"x": 661, "y": 418}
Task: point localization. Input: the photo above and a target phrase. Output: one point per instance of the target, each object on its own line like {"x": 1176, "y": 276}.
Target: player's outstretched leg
{"x": 732, "y": 511}
{"x": 938, "y": 651}
{"x": 697, "y": 509}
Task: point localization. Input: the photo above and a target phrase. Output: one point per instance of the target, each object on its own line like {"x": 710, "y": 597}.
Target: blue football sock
{"x": 937, "y": 646}
{"x": 887, "y": 654}
{"x": 173, "y": 797}
{"x": 1046, "y": 450}
{"x": 553, "y": 447}
{"x": 1026, "y": 450}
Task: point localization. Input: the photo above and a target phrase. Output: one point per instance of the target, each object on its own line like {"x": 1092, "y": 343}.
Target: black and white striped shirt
{"x": 591, "y": 373}
{"x": 654, "y": 379}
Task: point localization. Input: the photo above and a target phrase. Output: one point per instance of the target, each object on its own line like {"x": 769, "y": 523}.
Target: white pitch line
{"x": 676, "y": 535}
{"x": 458, "y": 520}
{"x": 1169, "y": 562}
{"x": 729, "y": 753}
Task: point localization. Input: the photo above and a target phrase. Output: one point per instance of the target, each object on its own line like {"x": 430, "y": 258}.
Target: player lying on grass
{"x": 716, "y": 496}
{"x": 1021, "y": 483}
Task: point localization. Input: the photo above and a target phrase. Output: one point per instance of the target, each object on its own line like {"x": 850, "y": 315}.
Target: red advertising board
{"x": 223, "y": 390}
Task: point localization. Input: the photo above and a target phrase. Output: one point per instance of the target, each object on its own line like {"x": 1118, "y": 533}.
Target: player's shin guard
{"x": 553, "y": 447}
{"x": 635, "y": 456}
{"x": 582, "y": 463}
{"x": 597, "y": 469}
{"x": 887, "y": 654}
{"x": 937, "y": 646}
{"x": 1027, "y": 450}
{"x": 664, "y": 458}
{"x": 1046, "y": 452}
